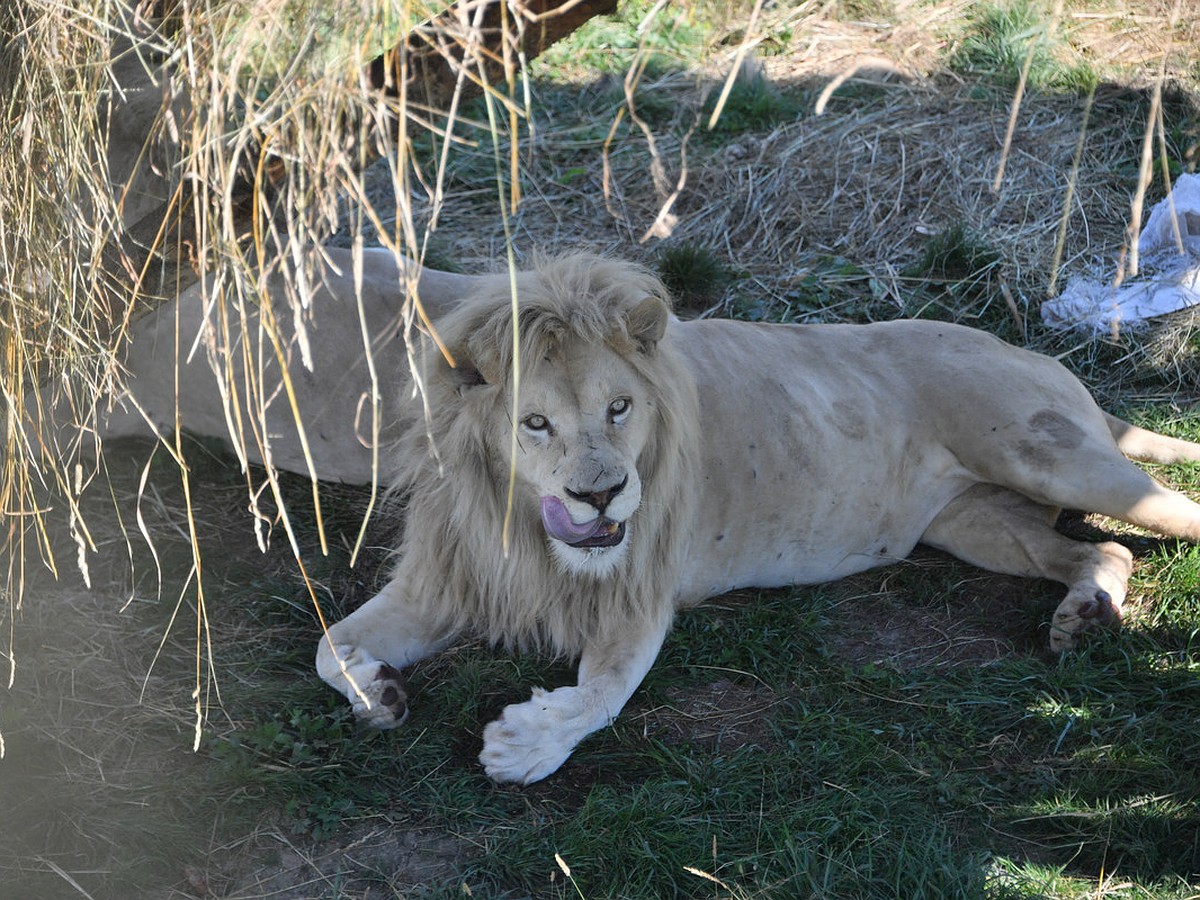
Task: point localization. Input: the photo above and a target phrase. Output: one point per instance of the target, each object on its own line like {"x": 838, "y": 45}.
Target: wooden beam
{"x": 430, "y": 59}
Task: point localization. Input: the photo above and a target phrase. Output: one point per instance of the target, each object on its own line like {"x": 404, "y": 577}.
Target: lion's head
{"x": 584, "y": 416}
{"x": 599, "y": 458}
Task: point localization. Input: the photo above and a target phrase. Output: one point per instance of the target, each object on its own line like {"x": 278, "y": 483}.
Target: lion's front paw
{"x": 374, "y": 688}
{"x": 382, "y": 702}
{"x": 530, "y": 740}
{"x": 1083, "y": 609}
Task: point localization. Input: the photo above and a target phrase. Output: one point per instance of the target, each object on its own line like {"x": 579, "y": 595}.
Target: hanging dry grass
{"x": 149, "y": 146}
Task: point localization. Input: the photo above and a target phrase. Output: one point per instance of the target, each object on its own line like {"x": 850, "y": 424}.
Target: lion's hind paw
{"x": 1081, "y": 611}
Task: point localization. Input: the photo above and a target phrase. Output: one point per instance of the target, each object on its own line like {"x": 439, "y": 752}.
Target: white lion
{"x": 659, "y": 462}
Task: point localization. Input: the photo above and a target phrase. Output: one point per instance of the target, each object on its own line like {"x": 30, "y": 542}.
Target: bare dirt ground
{"x": 371, "y": 861}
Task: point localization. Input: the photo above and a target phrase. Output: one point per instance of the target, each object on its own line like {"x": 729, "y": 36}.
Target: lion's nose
{"x": 599, "y": 498}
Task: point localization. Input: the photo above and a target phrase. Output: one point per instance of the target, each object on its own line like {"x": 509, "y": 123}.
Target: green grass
{"x": 753, "y": 104}
{"x": 954, "y": 256}
{"x": 609, "y": 44}
{"x": 695, "y": 275}
{"x": 956, "y": 280}
{"x": 1001, "y": 36}
{"x": 1010, "y": 779}
{"x": 831, "y": 288}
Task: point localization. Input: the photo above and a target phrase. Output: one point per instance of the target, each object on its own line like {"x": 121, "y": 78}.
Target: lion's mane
{"x": 453, "y": 556}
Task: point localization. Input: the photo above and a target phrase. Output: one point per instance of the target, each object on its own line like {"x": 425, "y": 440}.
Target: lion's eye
{"x": 618, "y": 408}
{"x": 536, "y": 423}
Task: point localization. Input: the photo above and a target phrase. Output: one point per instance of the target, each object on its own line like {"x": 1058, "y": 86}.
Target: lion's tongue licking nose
{"x": 559, "y": 525}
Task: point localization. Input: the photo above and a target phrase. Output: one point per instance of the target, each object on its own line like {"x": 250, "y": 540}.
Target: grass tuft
{"x": 957, "y": 255}
{"x": 753, "y": 104}
{"x": 1001, "y": 37}
{"x": 695, "y": 275}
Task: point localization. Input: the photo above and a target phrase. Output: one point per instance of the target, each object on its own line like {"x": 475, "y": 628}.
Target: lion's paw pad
{"x": 382, "y": 702}
{"x": 1080, "y": 613}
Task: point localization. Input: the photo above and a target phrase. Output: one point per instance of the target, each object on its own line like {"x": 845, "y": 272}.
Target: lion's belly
{"x": 818, "y": 480}
{"x": 804, "y": 530}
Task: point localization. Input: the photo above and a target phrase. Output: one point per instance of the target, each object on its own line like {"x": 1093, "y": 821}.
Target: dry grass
{"x": 223, "y": 142}
{"x": 902, "y": 152}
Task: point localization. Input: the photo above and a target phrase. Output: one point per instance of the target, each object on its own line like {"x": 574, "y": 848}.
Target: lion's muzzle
{"x": 599, "y": 532}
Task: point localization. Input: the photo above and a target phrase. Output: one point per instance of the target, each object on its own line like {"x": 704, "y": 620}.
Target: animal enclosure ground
{"x": 899, "y": 734}
{"x": 846, "y": 733}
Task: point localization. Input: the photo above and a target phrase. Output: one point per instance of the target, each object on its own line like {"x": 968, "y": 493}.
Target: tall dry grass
{"x": 147, "y": 146}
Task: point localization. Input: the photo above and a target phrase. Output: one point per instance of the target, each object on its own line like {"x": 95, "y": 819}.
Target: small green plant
{"x": 1001, "y": 36}
{"x": 753, "y": 104}
{"x": 954, "y": 281}
{"x": 694, "y": 274}
{"x": 304, "y": 739}
{"x": 321, "y": 816}
{"x": 956, "y": 254}
{"x": 833, "y": 289}
{"x": 306, "y": 756}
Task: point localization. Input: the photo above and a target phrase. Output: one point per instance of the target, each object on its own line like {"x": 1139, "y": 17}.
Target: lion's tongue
{"x": 559, "y": 525}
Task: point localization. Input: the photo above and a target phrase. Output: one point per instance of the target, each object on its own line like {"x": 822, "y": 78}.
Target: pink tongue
{"x": 559, "y": 525}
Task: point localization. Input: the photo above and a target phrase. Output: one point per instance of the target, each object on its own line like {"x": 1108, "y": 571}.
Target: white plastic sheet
{"x": 1168, "y": 279}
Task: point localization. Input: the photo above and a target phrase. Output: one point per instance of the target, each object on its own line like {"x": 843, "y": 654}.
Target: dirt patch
{"x": 717, "y": 716}
{"x": 978, "y": 618}
{"x": 370, "y": 860}
{"x": 888, "y": 630}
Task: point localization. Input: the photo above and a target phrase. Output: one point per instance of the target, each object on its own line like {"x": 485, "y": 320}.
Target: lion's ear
{"x": 648, "y": 322}
{"x": 460, "y": 370}
{"x": 463, "y": 374}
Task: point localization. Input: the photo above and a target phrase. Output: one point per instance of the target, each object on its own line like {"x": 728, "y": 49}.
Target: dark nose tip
{"x": 599, "y": 499}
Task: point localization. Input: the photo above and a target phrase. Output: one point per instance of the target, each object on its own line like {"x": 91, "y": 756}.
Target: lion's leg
{"x": 531, "y": 740}
{"x": 1095, "y": 477}
{"x": 361, "y": 656}
{"x": 1117, "y": 488}
{"x": 997, "y": 529}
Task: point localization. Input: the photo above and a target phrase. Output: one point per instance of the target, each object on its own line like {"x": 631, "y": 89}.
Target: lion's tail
{"x": 1148, "y": 446}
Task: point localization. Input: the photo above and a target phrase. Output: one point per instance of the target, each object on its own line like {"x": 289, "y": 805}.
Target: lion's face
{"x": 584, "y": 415}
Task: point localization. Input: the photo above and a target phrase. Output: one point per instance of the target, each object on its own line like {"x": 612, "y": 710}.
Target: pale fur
{"x": 457, "y": 483}
{"x": 758, "y": 456}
